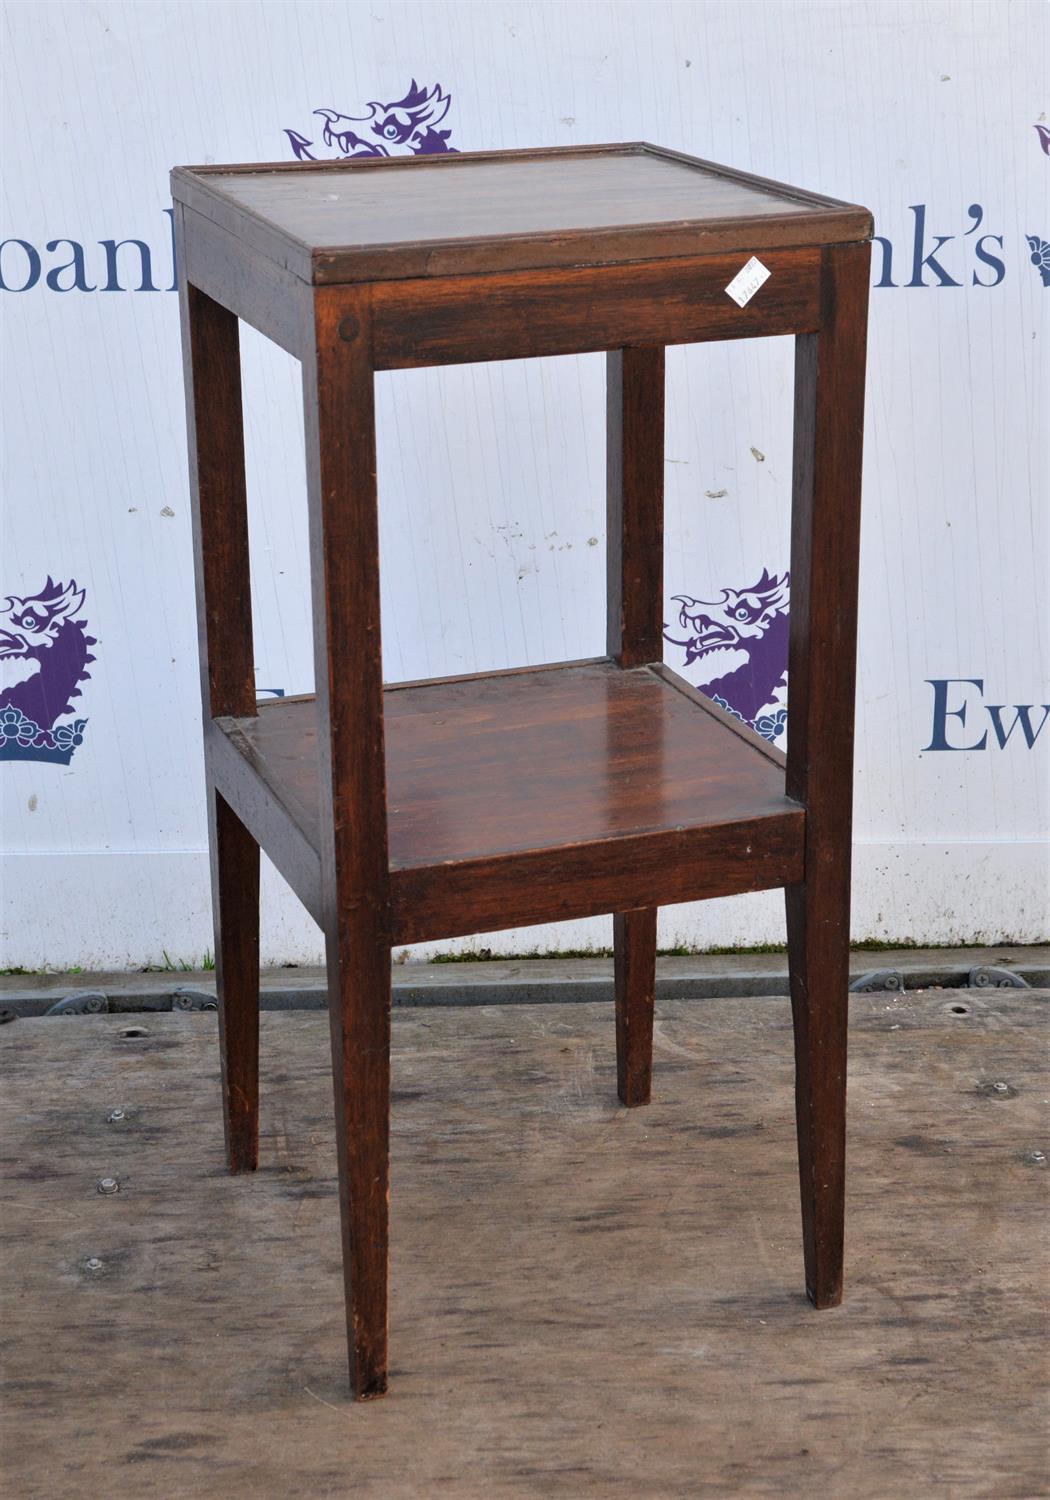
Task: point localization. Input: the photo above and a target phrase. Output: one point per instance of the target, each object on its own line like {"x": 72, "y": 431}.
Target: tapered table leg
{"x": 235, "y": 897}
{"x": 215, "y": 427}
{"x": 634, "y": 967}
{"x": 359, "y": 1001}
{"x": 339, "y": 403}
{"x": 829, "y": 414}
{"x": 634, "y": 426}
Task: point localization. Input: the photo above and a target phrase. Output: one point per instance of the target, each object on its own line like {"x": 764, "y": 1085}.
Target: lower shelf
{"x": 532, "y": 796}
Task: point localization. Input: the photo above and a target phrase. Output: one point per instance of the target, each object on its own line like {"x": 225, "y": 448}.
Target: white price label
{"x": 747, "y": 281}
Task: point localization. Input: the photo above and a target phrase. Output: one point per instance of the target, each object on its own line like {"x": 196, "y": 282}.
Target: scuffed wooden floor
{"x": 584, "y": 1301}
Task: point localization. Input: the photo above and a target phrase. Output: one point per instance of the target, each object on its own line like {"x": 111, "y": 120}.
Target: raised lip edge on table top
{"x": 314, "y": 265}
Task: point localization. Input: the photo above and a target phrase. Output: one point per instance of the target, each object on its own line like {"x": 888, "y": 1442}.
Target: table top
{"x": 377, "y": 218}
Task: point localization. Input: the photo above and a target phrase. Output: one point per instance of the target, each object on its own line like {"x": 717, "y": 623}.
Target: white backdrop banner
{"x": 492, "y": 476}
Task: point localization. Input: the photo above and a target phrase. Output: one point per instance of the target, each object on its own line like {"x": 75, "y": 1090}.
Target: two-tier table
{"x": 432, "y": 809}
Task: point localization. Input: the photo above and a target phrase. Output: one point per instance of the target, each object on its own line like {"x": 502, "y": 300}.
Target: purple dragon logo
{"x": 1039, "y": 255}
{"x": 740, "y": 645}
{"x": 43, "y": 658}
{"x": 405, "y": 127}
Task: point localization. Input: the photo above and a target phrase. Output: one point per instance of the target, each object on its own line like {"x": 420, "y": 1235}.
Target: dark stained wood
{"x": 467, "y": 804}
{"x": 458, "y": 678}
{"x": 634, "y": 635}
{"x": 440, "y": 215}
{"x": 539, "y": 795}
{"x": 634, "y": 468}
{"x": 661, "y": 868}
{"x": 235, "y": 894}
{"x": 338, "y": 399}
{"x": 825, "y": 549}
{"x": 634, "y": 977}
{"x": 620, "y": 751}
{"x": 268, "y": 807}
{"x": 219, "y": 508}
{"x": 215, "y": 428}
{"x": 260, "y": 291}
{"x": 584, "y": 755}
{"x": 728, "y": 721}
{"x": 517, "y": 315}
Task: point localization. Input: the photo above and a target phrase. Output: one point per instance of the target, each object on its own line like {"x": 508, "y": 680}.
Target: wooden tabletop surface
{"x": 383, "y": 217}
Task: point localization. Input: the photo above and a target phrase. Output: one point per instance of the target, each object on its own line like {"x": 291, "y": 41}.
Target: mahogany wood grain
{"x": 634, "y": 470}
{"x": 538, "y": 795}
{"x": 467, "y": 804}
{"x": 457, "y": 678}
{"x": 825, "y": 549}
{"x": 338, "y": 399}
{"x": 585, "y": 754}
{"x": 219, "y": 508}
{"x": 578, "y": 309}
{"x": 728, "y": 721}
{"x": 267, "y": 806}
{"x": 235, "y": 892}
{"x": 634, "y": 467}
{"x": 620, "y": 752}
{"x": 563, "y": 883}
{"x": 215, "y": 428}
{"x": 634, "y": 979}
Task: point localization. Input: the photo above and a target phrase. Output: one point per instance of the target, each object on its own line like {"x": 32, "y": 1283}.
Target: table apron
{"x": 582, "y": 309}
{"x": 528, "y": 888}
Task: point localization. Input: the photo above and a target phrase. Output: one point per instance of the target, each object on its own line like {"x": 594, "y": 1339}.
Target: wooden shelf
{"x": 619, "y": 788}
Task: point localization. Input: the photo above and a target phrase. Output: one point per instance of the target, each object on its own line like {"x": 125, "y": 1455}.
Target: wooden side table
{"x": 467, "y": 804}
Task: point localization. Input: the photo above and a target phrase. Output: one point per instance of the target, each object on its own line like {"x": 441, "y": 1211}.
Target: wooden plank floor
{"x": 585, "y": 1301}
